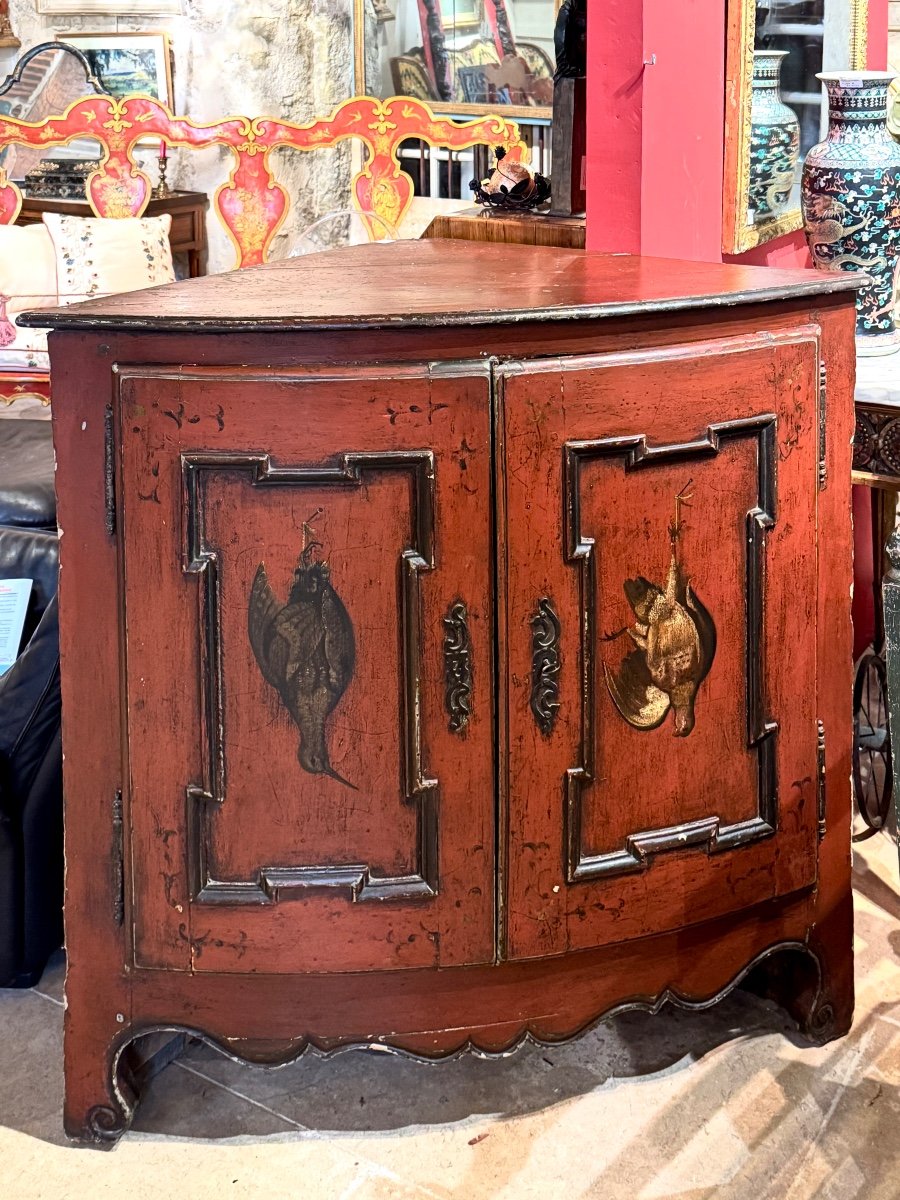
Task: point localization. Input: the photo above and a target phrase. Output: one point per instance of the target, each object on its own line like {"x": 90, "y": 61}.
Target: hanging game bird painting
{"x": 305, "y": 649}
{"x": 675, "y": 643}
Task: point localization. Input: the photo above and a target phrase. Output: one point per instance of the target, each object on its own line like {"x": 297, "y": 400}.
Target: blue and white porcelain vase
{"x": 774, "y": 139}
{"x": 850, "y": 193}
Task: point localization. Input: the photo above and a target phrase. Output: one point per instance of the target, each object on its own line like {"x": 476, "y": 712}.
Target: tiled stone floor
{"x": 689, "y": 1106}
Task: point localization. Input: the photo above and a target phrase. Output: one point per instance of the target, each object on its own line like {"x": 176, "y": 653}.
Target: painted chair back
{"x": 251, "y": 204}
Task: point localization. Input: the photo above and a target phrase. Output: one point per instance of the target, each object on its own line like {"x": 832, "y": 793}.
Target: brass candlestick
{"x": 162, "y": 189}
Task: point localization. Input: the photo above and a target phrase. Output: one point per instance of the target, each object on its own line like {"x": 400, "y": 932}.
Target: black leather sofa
{"x": 31, "y": 851}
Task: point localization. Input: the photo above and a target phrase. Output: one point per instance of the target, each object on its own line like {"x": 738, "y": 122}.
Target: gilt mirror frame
{"x": 443, "y": 107}
{"x": 738, "y": 234}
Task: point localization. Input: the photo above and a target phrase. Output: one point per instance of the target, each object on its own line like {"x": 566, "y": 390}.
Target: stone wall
{"x": 286, "y": 58}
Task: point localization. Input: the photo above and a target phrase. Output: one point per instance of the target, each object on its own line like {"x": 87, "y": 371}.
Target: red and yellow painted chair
{"x": 251, "y": 204}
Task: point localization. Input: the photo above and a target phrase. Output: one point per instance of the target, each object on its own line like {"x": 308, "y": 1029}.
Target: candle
{"x": 162, "y": 151}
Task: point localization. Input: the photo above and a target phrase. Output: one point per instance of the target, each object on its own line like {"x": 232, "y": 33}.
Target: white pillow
{"x": 97, "y": 256}
{"x": 27, "y": 267}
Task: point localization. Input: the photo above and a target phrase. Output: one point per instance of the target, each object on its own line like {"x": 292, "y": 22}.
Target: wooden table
{"x": 478, "y": 224}
{"x": 188, "y": 211}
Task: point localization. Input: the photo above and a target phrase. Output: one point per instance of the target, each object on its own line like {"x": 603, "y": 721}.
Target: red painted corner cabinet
{"x": 456, "y": 644}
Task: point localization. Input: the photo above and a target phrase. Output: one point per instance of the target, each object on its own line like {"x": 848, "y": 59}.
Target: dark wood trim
{"x": 105, "y": 1124}
{"x": 363, "y": 881}
{"x": 486, "y": 284}
{"x": 710, "y": 832}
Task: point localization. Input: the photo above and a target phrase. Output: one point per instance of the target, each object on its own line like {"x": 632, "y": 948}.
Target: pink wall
{"x": 654, "y": 164}
{"x": 614, "y": 133}
{"x": 876, "y": 57}
{"x": 684, "y": 114}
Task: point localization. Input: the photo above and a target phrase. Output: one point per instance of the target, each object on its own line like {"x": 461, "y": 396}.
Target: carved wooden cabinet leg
{"x": 813, "y": 982}
{"x": 100, "y": 1094}
{"x": 891, "y": 603}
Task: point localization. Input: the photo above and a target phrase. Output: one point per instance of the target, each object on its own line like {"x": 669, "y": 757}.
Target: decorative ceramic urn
{"x": 851, "y": 200}
{"x": 774, "y": 139}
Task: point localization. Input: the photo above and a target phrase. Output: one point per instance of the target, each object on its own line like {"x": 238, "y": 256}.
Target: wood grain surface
{"x": 640, "y": 781}
{"x": 439, "y": 283}
{"x": 218, "y": 449}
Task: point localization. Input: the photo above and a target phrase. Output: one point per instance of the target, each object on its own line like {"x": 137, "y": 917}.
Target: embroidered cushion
{"x": 98, "y": 256}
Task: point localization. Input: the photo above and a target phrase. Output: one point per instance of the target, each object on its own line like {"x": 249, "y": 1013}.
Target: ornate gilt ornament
{"x": 457, "y": 667}
{"x": 251, "y": 204}
{"x": 675, "y": 642}
{"x": 305, "y": 650}
{"x": 545, "y": 663}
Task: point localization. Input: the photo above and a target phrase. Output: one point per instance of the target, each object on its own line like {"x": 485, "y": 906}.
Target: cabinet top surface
{"x": 437, "y": 283}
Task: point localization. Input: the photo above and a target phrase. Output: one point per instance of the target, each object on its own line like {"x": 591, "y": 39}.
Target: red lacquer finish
{"x": 449, "y": 831}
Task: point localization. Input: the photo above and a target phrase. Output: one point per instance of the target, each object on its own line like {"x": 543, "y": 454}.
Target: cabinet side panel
{"x": 832, "y": 936}
{"x": 98, "y": 1000}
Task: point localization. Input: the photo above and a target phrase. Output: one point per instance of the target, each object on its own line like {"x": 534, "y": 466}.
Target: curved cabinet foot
{"x": 99, "y": 1110}
{"x": 815, "y": 984}
{"x": 104, "y": 1125}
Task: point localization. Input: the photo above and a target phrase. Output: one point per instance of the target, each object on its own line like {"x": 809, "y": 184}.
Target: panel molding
{"x": 362, "y": 880}
{"x": 710, "y": 833}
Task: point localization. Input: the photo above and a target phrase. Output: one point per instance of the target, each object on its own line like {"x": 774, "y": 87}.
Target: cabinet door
{"x": 662, "y": 577}
{"x": 308, "y": 599}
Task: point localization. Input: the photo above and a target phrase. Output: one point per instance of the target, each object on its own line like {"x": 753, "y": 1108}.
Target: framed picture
{"x": 474, "y": 84}
{"x": 128, "y": 62}
{"x": 121, "y": 8}
{"x": 460, "y": 14}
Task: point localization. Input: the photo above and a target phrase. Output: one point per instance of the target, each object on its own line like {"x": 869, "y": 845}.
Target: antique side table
{"x": 478, "y": 224}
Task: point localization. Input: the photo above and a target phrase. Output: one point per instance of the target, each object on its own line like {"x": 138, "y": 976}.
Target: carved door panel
{"x": 662, "y": 578}
{"x": 308, "y": 596}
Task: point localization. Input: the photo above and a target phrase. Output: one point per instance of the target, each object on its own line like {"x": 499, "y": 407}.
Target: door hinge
{"x": 109, "y": 475}
{"x": 820, "y": 777}
{"x": 118, "y": 860}
{"x": 823, "y": 448}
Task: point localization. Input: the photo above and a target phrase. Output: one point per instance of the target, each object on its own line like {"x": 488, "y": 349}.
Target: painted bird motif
{"x": 305, "y": 650}
{"x": 675, "y": 643}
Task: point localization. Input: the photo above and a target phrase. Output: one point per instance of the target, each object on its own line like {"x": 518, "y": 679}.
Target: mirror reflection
{"x": 44, "y": 83}
{"x": 787, "y": 107}
{"x": 461, "y": 53}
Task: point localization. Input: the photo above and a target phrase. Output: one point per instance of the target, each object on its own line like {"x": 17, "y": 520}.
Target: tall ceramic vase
{"x": 774, "y": 138}
{"x": 851, "y": 200}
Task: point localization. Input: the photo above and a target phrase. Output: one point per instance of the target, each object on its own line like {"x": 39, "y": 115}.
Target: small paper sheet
{"x": 14, "y": 595}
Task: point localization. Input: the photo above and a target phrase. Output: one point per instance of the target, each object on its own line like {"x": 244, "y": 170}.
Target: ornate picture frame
{"x": 120, "y": 8}
{"x": 440, "y": 27}
{"x": 128, "y": 63}
{"x": 461, "y": 14}
{"x": 738, "y": 234}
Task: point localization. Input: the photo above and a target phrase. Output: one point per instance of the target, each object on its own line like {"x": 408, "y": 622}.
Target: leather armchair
{"x": 27, "y": 495}
{"x": 31, "y": 824}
